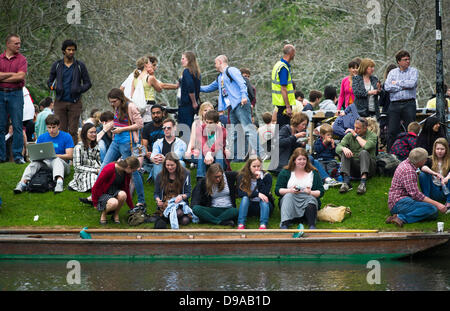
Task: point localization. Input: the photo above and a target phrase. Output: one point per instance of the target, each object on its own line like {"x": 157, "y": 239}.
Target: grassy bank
{"x": 63, "y": 210}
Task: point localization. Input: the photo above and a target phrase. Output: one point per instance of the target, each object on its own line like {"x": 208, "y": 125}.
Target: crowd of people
{"x": 113, "y": 150}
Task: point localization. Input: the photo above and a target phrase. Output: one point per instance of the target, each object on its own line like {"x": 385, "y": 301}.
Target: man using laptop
{"x": 63, "y": 145}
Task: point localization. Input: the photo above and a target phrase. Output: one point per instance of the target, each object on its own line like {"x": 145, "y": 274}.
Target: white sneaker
{"x": 21, "y": 187}
{"x": 331, "y": 182}
{"x": 59, "y": 186}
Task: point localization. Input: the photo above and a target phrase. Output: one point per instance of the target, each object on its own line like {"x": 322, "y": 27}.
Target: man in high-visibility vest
{"x": 283, "y": 96}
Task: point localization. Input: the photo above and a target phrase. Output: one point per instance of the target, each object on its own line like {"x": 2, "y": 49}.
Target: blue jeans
{"x": 411, "y": 211}
{"x": 201, "y": 166}
{"x": 322, "y": 172}
{"x": 117, "y": 150}
{"x": 431, "y": 190}
{"x": 103, "y": 147}
{"x": 261, "y": 208}
{"x": 11, "y": 103}
{"x": 243, "y": 115}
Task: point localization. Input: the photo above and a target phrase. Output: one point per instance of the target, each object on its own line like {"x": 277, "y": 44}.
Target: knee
{"x": 121, "y": 196}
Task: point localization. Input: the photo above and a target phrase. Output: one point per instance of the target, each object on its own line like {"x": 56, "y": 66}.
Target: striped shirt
{"x": 405, "y": 84}
{"x": 404, "y": 184}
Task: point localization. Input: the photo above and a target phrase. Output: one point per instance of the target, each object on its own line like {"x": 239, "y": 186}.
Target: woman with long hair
{"x": 174, "y": 182}
{"x": 86, "y": 160}
{"x": 346, "y": 96}
{"x": 431, "y": 130}
{"x": 214, "y": 197}
{"x": 435, "y": 174}
{"x": 254, "y": 186}
{"x": 127, "y": 123}
{"x": 190, "y": 81}
{"x": 112, "y": 188}
{"x": 191, "y": 148}
{"x": 366, "y": 88}
{"x": 299, "y": 187}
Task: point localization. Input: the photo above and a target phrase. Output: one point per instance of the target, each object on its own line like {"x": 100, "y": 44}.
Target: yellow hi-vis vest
{"x": 277, "y": 98}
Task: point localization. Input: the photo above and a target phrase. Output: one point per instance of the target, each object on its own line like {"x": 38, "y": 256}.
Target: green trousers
{"x": 215, "y": 215}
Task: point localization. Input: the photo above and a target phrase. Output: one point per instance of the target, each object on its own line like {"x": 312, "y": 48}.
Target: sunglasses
{"x": 167, "y": 128}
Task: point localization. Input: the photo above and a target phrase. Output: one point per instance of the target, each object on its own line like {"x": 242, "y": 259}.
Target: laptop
{"x": 41, "y": 151}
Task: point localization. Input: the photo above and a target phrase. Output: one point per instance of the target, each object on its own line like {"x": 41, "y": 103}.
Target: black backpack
{"x": 250, "y": 89}
{"x": 42, "y": 181}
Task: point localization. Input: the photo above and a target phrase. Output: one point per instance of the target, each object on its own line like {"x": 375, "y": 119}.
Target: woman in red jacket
{"x": 112, "y": 188}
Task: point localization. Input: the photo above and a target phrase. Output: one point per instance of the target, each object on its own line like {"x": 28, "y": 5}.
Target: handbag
{"x": 332, "y": 213}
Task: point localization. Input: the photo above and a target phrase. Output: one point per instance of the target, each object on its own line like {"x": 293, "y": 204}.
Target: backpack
{"x": 250, "y": 89}
{"x": 387, "y": 164}
{"x": 42, "y": 181}
{"x": 136, "y": 218}
{"x": 139, "y": 96}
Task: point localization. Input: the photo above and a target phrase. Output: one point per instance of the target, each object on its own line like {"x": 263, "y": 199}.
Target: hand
{"x": 159, "y": 203}
{"x": 307, "y": 190}
{"x": 350, "y": 130}
{"x": 347, "y": 152}
{"x": 289, "y": 111}
{"x": 243, "y": 101}
{"x": 300, "y": 134}
{"x": 194, "y": 106}
{"x": 179, "y": 198}
{"x": 187, "y": 154}
{"x": 342, "y": 113}
{"x": 263, "y": 197}
{"x": 108, "y": 126}
{"x": 116, "y": 130}
{"x": 294, "y": 190}
{"x": 441, "y": 207}
{"x": 196, "y": 152}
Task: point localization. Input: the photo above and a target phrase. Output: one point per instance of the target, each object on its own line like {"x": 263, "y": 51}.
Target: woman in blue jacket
{"x": 188, "y": 99}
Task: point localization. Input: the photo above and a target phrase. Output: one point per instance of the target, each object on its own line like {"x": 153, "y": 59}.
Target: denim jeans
{"x": 411, "y": 211}
{"x": 322, "y": 172}
{"x": 261, "y": 208}
{"x": 115, "y": 151}
{"x": 431, "y": 190}
{"x": 11, "y": 103}
{"x": 243, "y": 115}
{"x": 201, "y": 166}
{"x": 103, "y": 149}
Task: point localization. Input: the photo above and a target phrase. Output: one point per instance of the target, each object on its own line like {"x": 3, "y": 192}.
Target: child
{"x": 314, "y": 100}
{"x": 330, "y": 95}
{"x": 406, "y": 141}
{"x": 325, "y": 150}
{"x": 265, "y": 134}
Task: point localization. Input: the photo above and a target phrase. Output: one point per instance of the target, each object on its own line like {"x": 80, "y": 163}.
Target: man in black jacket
{"x": 69, "y": 78}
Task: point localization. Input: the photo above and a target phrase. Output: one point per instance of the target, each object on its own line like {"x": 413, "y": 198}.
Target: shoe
{"x": 241, "y": 226}
{"x": 59, "y": 186}
{"x": 117, "y": 222}
{"x": 19, "y": 161}
{"x": 227, "y": 223}
{"x": 21, "y": 187}
{"x": 103, "y": 222}
{"x": 86, "y": 201}
{"x": 262, "y": 227}
{"x": 344, "y": 188}
{"x": 332, "y": 182}
{"x": 312, "y": 227}
{"x": 396, "y": 221}
{"x": 389, "y": 219}
{"x": 361, "y": 188}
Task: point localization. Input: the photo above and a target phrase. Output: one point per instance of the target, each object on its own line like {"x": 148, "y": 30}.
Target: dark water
{"x": 423, "y": 275}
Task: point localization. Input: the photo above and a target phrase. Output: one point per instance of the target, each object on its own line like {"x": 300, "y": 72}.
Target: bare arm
{"x": 67, "y": 156}
{"x": 14, "y": 77}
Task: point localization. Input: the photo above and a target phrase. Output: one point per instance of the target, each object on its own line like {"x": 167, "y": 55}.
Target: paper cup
{"x": 440, "y": 226}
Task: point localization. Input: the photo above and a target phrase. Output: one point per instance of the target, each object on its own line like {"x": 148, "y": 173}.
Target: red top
{"x": 17, "y": 63}
{"x": 105, "y": 180}
{"x": 220, "y": 139}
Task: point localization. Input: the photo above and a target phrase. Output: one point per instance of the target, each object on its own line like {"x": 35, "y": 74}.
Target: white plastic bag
{"x": 139, "y": 96}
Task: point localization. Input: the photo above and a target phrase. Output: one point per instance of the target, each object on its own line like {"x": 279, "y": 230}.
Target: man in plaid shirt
{"x": 406, "y": 203}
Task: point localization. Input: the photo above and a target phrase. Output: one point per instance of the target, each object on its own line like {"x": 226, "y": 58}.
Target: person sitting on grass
{"x": 325, "y": 149}
{"x": 299, "y": 187}
{"x": 86, "y": 160}
{"x": 405, "y": 201}
{"x": 174, "y": 182}
{"x": 435, "y": 173}
{"x": 214, "y": 197}
{"x": 314, "y": 100}
{"x": 406, "y": 141}
{"x": 254, "y": 186}
{"x": 63, "y": 144}
{"x": 169, "y": 143}
{"x": 431, "y": 131}
{"x": 40, "y": 126}
{"x": 112, "y": 188}
{"x": 211, "y": 138}
{"x": 357, "y": 151}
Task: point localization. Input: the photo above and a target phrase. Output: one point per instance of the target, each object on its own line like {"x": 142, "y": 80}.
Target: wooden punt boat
{"x": 270, "y": 244}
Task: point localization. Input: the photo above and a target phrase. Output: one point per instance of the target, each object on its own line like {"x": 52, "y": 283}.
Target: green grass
{"x": 63, "y": 210}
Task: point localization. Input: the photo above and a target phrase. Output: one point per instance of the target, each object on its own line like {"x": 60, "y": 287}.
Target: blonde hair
{"x": 326, "y": 129}
{"x": 202, "y": 109}
{"x": 446, "y": 161}
{"x": 140, "y": 63}
{"x": 365, "y": 63}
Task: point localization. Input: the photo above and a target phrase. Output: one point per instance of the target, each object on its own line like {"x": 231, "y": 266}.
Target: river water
{"x": 429, "y": 274}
